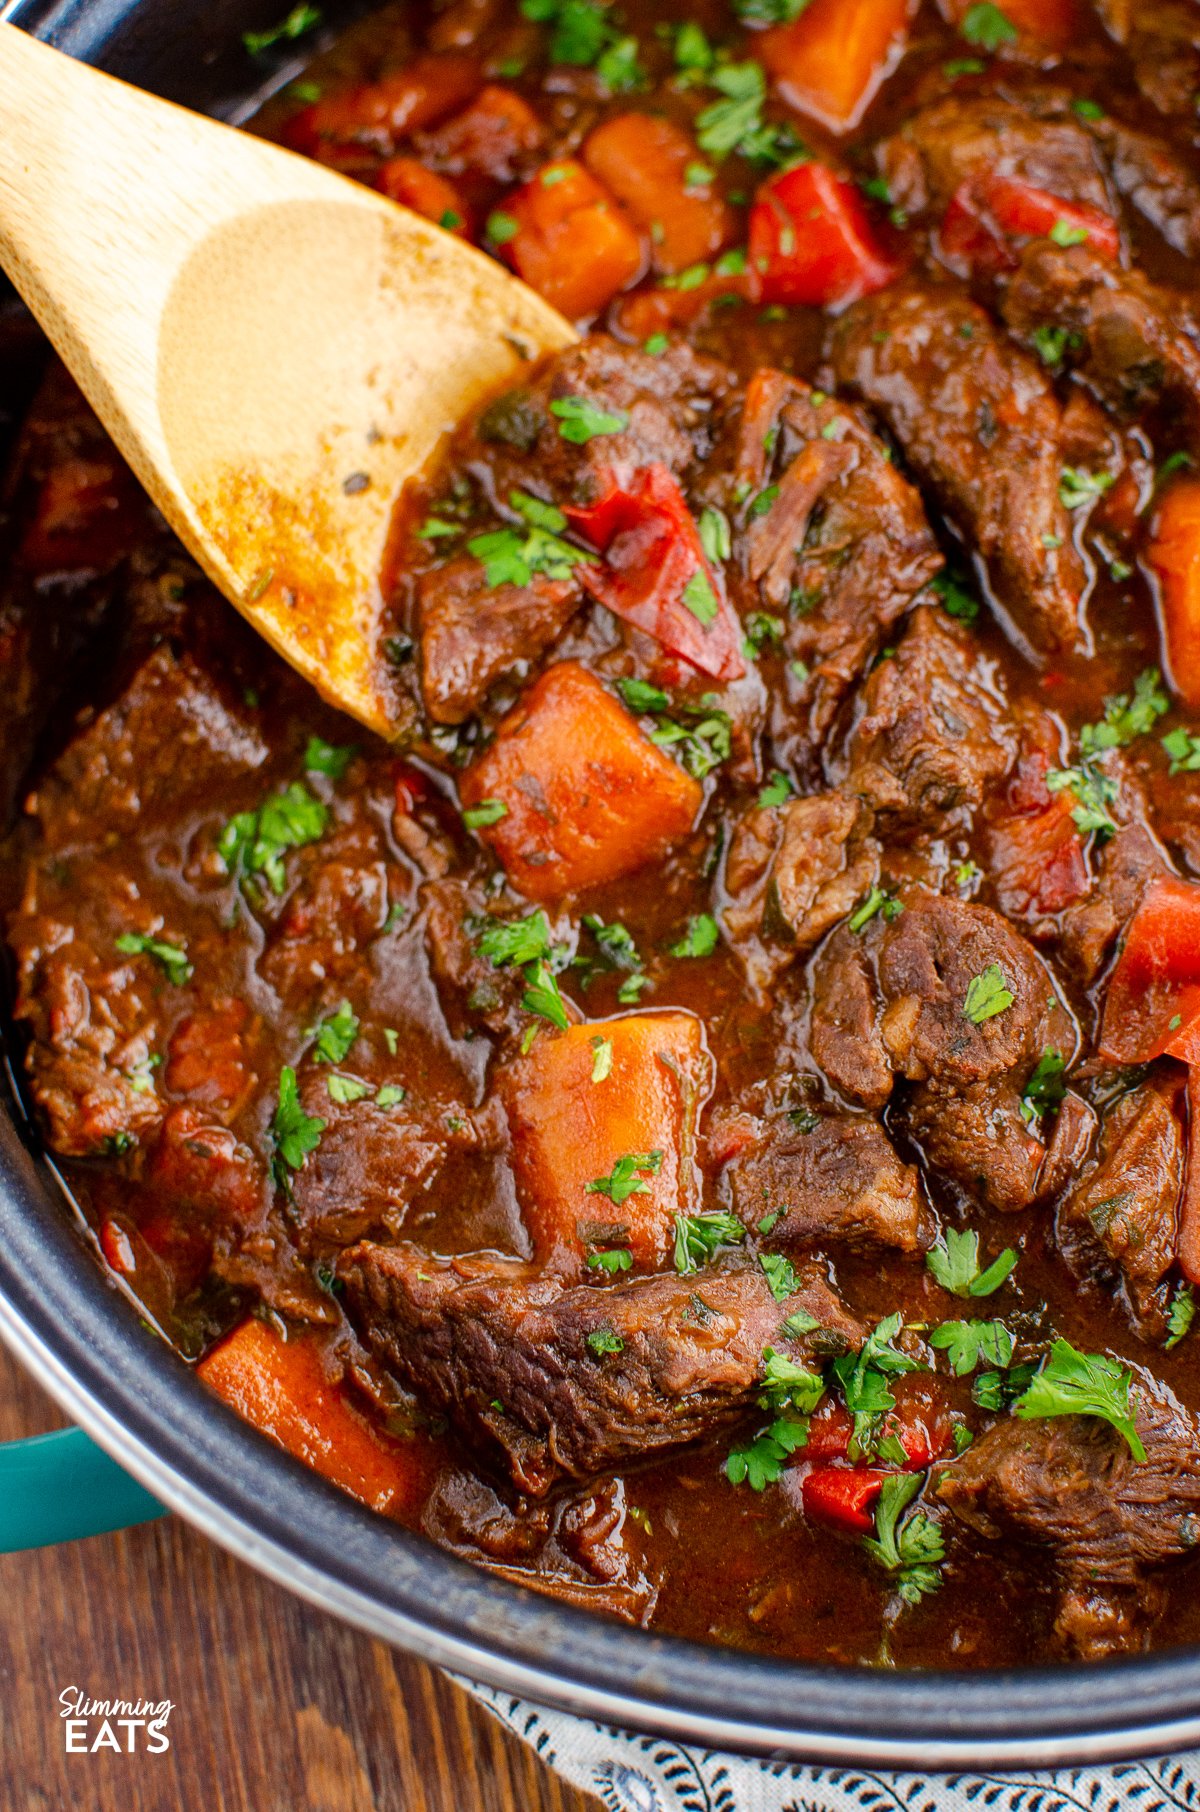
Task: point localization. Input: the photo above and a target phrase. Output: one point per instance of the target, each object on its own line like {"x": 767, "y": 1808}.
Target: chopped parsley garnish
{"x": 321, "y": 757}
{"x": 256, "y": 842}
{"x": 693, "y": 52}
{"x": 954, "y": 1263}
{"x": 988, "y": 995}
{"x": 488, "y": 811}
{"x": 876, "y": 901}
{"x": 701, "y": 734}
{"x": 584, "y": 36}
{"x": 627, "y": 1176}
{"x": 697, "y": 1237}
{"x": 1077, "y": 487}
{"x": 617, "y": 1258}
{"x": 300, "y": 20}
{"x": 511, "y": 556}
{"x": 911, "y": 1547}
{"x": 961, "y": 66}
{"x": 995, "y": 1391}
{"x": 171, "y": 958}
{"x": 700, "y": 939}
{"x": 542, "y": 996}
{"x": 656, "y": 345}
{"x": 517, "y": 941}
{"x": 344, "y": 1089}
{"x": 779, "y": 1274}
{"x": 1181, "y": 1315}
{"x": 294, "y": 1132}
{"x": 500, "y": 228}
{"x": 969, "y": 1344}
{"x": 777, "y": 791}
{"x": 760, "y": 1462}
{"x": 768, "y": 12}
{"x": 580, "y": 421}
{"x": 602, "y": 1058}
{"x": 715, "y": 535}
{"x": 700, "y": 598}
{"x": 1064, "y": 234}
{"x": 1086, "y": 109}
{"x": 1045, "y": 1088}
{"x": 863, "y": 1377}
{"x": 986, "y": 27}
{"x": 1127, "y": 716}
{"x": 955, "y": 599}
{"x": 335, "y": 1036}
{"x": 390, "y": 1095}
{"x": 605, "y": 1340}
{"x": 1093, "y": 791}
{"x": 735, "y": 123}
{"x": 1183, "y": 750}
{"x": 1071, "y": 1383}
{"x": 1050, "y": 344}
{"x": 436, "y": 528}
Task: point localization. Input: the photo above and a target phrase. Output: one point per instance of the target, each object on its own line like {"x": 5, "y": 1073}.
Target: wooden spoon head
{"x": 312, "y": 355}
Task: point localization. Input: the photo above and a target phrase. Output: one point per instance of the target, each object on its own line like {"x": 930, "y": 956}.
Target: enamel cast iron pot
{"x": 85, "y": 1344}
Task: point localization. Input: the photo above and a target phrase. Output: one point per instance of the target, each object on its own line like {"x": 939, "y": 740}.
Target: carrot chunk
{"x": 1174, "y": 556}
{"x": 571, "y": 1132}
{"x": 1152, "y": 1004}
{"x": 587, "y": 797}
{"x": 406, "y": 180}
{"x": 280, "y": 1386}
{"x": 573, "y": 244}
{"x": 831, "y": 61}
{"x": 653, "y": 168}
{"x": 378, "y": 114}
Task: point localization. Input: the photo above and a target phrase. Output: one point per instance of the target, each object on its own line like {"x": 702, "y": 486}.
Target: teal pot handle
{"x": 60, "y": 1487}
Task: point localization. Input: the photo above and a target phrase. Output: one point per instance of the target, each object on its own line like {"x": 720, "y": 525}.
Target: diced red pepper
{"x": 1152, "y": 1007}
{"x": 831, "y": 60}
{"x": 656, "y": 574}
{"x": 920, "y": 1422}
{"x": 982, "y": 217}
{"x": 406, "y": 180}
{"x": 843, "y": 1497}
{"x": 812, "y": 242}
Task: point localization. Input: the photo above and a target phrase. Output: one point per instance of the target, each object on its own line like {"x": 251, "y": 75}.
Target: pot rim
{"x": 69, "y": 1325}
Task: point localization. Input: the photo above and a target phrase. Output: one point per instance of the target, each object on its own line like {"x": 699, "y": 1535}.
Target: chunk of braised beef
{"x": 981, "y": 425}
{"x": 1119, "y": 1225}
{"x": 338, "y": 903}
{"x": 575, "y": 1381}
{"x": 171, "y": 744}
{"x": 792, "y": 872}
{"x": 666, "y": 405}
{"x": 928, "y": 733}
{"x": 474, "y": 635}
{"x": 892, "y": 1002}
{"x": 1135, "y": 340}
{"x": 827, "y": 1178}
{"x": 1125, "y": 866}
{"x": 838, "y": 544}
{"x": 1162, "y": 38}
{"x": 583, "y": 1549}
{"x": 1070, "y": 1490}
{"x": 472, "y": 990}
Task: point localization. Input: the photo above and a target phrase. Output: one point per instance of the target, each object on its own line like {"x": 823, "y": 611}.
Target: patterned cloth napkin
{"x": 629, "y": 1773}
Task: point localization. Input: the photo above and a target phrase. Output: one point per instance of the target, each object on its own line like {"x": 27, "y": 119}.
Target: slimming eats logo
{"x": 125, "y": 1725}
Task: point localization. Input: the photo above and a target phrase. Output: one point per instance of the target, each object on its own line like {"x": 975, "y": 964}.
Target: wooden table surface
{"x": 278, "y": 1708}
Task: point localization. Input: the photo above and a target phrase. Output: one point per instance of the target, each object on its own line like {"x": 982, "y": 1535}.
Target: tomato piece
{"x": 812, "y": 242}
{"x": 656, "y": 574}
{"x": 406, "y": 180}
{"x": 588, "y": 798}
{"x": 573, "y": 243}
{"x": 1152, "y": 1007}
{"x": 843, "y": 1497}
{"x": 968, "y": 241}
{"x": 1174, "y": 557}
{"x": 831, "y": 61}
{"x": 645, "y": 160}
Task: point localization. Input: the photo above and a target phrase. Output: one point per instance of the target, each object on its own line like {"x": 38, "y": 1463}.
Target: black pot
{"x": 84, "y": 1342}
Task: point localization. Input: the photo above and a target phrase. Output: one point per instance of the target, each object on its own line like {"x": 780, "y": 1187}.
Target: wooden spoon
{"x": 275, "y": 349}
